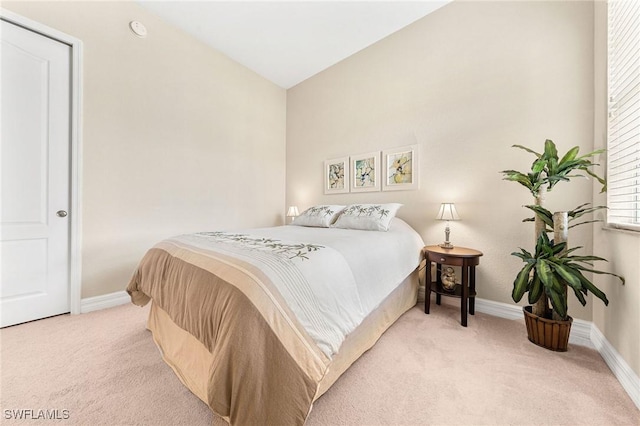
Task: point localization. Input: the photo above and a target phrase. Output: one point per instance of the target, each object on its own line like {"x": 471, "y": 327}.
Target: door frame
{"x": 75, "y": 190}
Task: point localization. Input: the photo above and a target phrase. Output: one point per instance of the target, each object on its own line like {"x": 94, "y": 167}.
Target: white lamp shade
{"x": 447, "y": 212}
{"x": 293, "y": 211}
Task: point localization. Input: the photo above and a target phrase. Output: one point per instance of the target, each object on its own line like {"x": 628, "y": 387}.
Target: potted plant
{"x": 553, "y": 268}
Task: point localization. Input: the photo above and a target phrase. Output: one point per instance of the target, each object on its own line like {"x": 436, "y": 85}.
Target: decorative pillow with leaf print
{"x": 370, "y": 217}
{"x": 318, "y": 216}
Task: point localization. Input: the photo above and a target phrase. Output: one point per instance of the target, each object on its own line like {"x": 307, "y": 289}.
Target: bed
{"x": 260, "y": 323}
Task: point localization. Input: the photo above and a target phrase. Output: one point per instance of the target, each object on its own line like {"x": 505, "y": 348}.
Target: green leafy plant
{"x": 550, "y": 270}
{"x": 548, "y": 169}
{"x": 547, "y": 217}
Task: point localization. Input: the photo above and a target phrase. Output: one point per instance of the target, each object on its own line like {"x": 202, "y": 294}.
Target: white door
{"x": 34, "y": 155}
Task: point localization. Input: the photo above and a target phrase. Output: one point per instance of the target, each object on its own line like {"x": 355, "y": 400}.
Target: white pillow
{"x": 371, "y": 217}
{"x": 319, "y": 216}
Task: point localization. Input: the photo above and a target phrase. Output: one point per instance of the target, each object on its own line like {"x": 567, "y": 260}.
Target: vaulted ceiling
{"x": 290, "y": 41}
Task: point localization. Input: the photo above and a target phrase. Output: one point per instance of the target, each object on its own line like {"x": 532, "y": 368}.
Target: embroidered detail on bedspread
{"x": 291, "y": 250}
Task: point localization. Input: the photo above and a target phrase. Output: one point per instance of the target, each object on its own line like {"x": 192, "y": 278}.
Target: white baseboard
{"x": 498, "y": 309}
{"x": 625, "y": 375}
{"x": 110, "y": 300}
{"x": 583, "y": 333}
{"x": 580, "y": 329}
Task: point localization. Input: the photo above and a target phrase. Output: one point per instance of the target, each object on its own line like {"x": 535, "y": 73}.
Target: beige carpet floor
{"x": 104, "y": 368}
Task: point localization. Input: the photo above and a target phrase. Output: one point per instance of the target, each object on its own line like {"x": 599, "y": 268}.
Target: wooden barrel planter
{"x": 548, "y": 333}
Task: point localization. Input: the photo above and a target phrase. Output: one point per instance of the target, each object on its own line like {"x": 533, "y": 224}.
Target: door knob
{"x": 61, "y": 213}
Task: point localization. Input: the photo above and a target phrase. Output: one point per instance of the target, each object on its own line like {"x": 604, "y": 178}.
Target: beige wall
{"x": 177, "y": 137}
{"x": 465, "y": 83}
{"x": 620, "y": 322}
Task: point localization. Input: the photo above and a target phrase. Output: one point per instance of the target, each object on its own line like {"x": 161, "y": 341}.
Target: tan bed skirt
{"x": 191, "y": 360}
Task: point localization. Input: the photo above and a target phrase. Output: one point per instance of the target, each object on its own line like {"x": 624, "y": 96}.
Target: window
{"x": 623, "y": 171}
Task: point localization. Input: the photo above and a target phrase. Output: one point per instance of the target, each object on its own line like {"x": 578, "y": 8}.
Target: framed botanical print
{"x": 400, "y": 168}
{"x": 336, "y": 176}
{"x": 365, "y": 172}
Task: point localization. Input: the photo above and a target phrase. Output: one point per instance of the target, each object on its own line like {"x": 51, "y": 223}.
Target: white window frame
{"x": 623, "y": 123}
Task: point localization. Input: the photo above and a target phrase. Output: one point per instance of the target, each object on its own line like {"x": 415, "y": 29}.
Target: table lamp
{"x": 292, "y": 212}
{"x": 447, "y": 212}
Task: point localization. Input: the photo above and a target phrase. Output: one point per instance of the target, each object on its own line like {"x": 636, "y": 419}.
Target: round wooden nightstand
{"x": 467, "y": 259}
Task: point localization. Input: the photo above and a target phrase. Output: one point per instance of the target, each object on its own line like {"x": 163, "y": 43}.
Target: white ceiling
{"x": 289, "y": 41}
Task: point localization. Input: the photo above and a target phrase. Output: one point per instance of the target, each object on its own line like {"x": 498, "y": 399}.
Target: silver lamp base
{"x": 447, "y": 244}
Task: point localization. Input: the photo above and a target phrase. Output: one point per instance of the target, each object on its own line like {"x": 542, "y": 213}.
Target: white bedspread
{"x": 331, "y": 278}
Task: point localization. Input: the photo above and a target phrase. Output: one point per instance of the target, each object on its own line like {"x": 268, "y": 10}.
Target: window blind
{"x": 623, "y": 160}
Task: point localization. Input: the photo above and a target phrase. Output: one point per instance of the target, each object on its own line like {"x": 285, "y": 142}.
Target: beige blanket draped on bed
{"x": 260, "y": 352}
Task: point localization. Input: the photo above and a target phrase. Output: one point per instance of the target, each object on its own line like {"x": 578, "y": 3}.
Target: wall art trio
{"x": 366, "y": 173}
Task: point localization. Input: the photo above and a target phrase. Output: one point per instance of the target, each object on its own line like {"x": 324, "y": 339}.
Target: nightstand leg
{"x": 472, "y": 288}
{"x": 465, "y": 296}
{"x": 438, "y": 282}
{"x": 427, "y": 287}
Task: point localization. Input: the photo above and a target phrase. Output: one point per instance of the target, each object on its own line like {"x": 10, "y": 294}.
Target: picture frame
{"x": 365, "y": 172}
{"x": 336, "y": 175}
{"x": 401, "y": 168}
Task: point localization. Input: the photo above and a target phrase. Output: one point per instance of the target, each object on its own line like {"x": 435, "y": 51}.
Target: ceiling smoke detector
{"x": 138, "y": 29}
